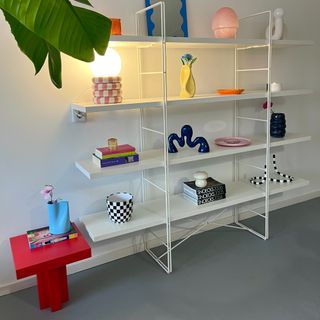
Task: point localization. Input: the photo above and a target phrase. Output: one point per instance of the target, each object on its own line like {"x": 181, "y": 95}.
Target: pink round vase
{"x": 225, "y": 23}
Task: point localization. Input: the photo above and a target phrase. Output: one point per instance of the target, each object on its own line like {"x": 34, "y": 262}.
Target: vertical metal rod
{"x": 267, "y": 195}
{"x": 141, "y": 111}
{"x": 165, "y": 119}
{"x": 235, "y": 132}
{"x": 165, "y": 130}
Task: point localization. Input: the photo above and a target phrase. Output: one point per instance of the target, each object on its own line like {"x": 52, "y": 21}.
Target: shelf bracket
{"x": 78, "y": 116}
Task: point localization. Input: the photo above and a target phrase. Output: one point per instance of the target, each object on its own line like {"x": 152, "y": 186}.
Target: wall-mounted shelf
{"x": 189, "y": 42}
{"x": 148, "y": 160}
{"x": 150, "y": 213}
{"x": 88, "y": 107}
{"x": 154, "y": 159}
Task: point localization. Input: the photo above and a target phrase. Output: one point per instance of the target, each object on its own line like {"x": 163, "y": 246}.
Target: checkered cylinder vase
{"x": 120, "y": 206}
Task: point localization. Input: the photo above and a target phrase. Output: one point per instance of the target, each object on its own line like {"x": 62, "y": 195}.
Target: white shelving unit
{"x": 173, "y": 208}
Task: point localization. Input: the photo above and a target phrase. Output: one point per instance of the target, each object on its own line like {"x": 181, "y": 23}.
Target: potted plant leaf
{"x": 45, "y": 29}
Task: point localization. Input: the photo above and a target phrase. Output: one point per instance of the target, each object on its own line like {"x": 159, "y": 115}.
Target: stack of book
{"x": 40, "y": 237}
{"x": 106, "y": 90}
{"x": 106, "y": 157}
{"x": 214, "y": 190}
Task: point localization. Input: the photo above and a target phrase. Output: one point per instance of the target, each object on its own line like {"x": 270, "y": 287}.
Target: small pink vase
{"x": 225, "y": 23}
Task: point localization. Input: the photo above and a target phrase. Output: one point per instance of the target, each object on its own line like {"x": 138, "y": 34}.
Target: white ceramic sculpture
{"x": 277, "y": 25}
{"x": 200, "y": 178}
{"x": 275, "y": 87}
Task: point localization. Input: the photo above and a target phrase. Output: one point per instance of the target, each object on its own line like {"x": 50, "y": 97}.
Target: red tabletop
{"x": 28, "y": 262}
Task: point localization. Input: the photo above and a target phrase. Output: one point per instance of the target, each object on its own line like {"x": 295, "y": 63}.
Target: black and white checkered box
{"x": 119, "y": 206}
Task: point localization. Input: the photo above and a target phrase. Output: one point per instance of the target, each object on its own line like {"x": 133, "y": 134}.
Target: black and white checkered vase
{"x": 119, "y": 206}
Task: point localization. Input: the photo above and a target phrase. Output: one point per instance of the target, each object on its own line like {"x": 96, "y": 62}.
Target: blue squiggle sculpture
{"x": 186, "y": 134}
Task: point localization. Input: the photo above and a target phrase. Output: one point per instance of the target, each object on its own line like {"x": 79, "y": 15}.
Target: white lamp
{"x": 108, "y": 65}
{"x": 106, "y": 80}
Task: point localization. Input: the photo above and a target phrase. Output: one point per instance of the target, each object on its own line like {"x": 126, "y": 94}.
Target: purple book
{"x": 114, "y": 161}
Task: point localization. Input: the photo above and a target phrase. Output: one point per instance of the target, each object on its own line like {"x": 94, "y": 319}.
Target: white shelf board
{"x": 182, "y": 42}
{"x": 188, "y": 42}
{"x": 88, "y": 107}
{"x": 127, "y": 104}
{"x": 294, "y": 92}
{"x": 237, "y": 193}
{"x": 212, "y": 98}
{"x": 128, "y": 41}
{"x": 151, "y": 213}
{"x": 148, "y": 160}
{"x": 292, "y": 43}
{"x": 100, "y": 228}
{"x": 153, "y": 159}
{"x": 290, "y": 138}
{"x": 276, "y": 188}
{"x": 190, "y": 155}
{"x": 191, "y": 42}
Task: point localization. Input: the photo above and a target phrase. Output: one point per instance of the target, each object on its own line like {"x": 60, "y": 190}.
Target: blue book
{"x": 114, "y": 161}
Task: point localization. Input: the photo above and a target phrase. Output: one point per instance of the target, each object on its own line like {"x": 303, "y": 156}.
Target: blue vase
{"x": 278, "y": 125}
{"x": 58, "y": 216}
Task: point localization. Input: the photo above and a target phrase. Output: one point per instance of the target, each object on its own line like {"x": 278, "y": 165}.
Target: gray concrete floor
{"x": 222, "y": 274}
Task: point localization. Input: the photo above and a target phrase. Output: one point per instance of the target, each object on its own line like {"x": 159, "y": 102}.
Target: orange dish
{"x": 230, "y": 91}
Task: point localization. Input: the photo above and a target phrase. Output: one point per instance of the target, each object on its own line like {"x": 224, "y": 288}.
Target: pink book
{"x": 121, "y": 149}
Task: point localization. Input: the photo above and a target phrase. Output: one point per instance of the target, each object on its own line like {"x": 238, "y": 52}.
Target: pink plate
{"x": 232, "y": 141}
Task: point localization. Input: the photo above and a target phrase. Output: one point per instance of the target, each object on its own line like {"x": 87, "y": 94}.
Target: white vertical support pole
{"x": 267, "y": 189}
{"x": 141, "y": 111}
{"x": 165, "y": 136}
{"x": 165, "y": 129}
{"x": 235, "y": 133}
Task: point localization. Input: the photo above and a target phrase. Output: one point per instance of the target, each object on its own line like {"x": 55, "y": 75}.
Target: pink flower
{"x": 47, "y": 192}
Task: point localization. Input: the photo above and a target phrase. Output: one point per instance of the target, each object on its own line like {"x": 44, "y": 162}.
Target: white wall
{"x": 39, "y": 144}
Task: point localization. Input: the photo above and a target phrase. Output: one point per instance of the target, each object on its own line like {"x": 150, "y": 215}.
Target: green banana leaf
{"x": 46, "y": 28}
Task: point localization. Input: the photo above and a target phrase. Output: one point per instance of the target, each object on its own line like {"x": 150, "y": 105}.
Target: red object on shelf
{"x": 48, "y": 263}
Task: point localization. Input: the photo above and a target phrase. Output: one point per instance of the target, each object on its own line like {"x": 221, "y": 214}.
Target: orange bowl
{"x": 230, "y": 91}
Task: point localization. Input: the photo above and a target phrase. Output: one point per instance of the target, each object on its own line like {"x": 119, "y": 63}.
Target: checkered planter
{"x": 119, "y": 206}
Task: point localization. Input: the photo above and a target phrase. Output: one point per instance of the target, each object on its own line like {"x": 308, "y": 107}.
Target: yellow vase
{"x": 187, "y": 83}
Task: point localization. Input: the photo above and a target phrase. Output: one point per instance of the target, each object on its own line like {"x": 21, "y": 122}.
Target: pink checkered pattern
{"x": 107, "y": 93}
{"x": 106, "y": 79}
{"x": 106, "y": 86}
{"x": 107, "y": 100}
{"x": 106, "y": 90}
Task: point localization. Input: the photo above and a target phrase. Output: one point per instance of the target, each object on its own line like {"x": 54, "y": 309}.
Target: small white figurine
{"x": 200, "y": 178}
{"x": 277, "y": 25}
{"x": 275, "y": 87}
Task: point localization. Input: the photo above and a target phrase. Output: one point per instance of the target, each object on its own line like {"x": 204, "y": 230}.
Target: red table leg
{"x": 63, "y": 284}
{"x": 42, "y": 284}
{"x": 54, "y": 289}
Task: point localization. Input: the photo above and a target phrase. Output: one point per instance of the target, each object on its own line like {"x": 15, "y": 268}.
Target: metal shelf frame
{"x": 165, "y": 258}
{"x": 150, "y": 161}
{"x": 167, "y": 264}
{"x": 236, "y": 162}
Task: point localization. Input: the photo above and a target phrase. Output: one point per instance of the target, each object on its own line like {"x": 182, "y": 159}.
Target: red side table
{"x": 49, "y": 264}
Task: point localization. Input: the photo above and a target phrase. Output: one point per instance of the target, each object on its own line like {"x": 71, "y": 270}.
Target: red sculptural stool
{"x": 48, "y": 263}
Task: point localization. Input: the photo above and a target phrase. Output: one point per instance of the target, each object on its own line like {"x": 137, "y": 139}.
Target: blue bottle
{"x": 278, "y": 125}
